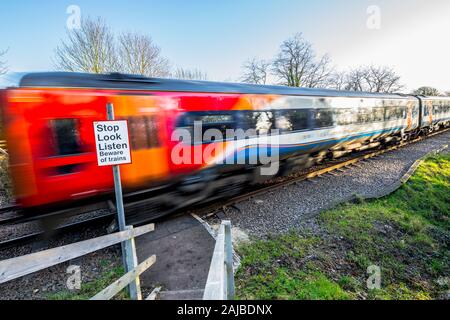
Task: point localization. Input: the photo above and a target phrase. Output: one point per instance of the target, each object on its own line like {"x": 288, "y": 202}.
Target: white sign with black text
{"x": 112, "y": 143}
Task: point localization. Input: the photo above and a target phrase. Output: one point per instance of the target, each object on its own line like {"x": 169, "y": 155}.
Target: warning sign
{"x": 112, "y": 143}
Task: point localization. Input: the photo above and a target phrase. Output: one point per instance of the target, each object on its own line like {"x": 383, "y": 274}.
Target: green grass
{"x": 90, "y": 289}
{"x": 406, "y": 234}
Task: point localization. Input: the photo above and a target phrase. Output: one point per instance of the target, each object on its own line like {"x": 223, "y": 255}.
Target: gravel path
{"x": 294, "y": 206}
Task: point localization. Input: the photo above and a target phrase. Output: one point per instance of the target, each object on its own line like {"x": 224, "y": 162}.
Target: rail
{"x": 21, "y": 266}
{"x": 220, "y": 283}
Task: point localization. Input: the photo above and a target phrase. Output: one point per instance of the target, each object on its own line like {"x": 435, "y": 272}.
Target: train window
{"x": 395, "y": 113}
{"x": 323, "y": 118}
{"x": 364, "y": 116}
{"x": 138, "y": 133}
{"x": 438, "y": 109}
{"x": 217, "y": 118}
{"x": 67, "y": 139}
{"x": 152, "y": 128}
{"x": 143, "y": 132}
{"x": 299, "y": 119}
{"x": 292, "y": 120}
{"x": 283, "y": 121}
{"x": 218, "y": 121}
{"x": 415, "y": 112}
{"x": 188, "y": 119}
{"x": 345, "y": 117}
{"x": 402, "y": 112}
{"x": 261, "y": 121}
{"x": 378, "y": 114}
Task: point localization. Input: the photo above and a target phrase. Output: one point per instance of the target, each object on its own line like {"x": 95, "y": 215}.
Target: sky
{"x": 218, "y": 36}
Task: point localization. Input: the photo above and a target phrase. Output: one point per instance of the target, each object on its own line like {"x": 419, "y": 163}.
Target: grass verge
{"x": 405, "y": 235}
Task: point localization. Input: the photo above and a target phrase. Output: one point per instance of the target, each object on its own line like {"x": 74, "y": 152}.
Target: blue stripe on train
{"x": 243, "y": 155}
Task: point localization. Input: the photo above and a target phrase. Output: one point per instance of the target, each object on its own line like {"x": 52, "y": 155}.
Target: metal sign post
{"x": 113, "y": 149}
{"x": 117, "y": 179}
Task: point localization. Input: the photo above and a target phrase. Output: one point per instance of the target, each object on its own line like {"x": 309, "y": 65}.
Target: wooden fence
{"x": 220, "y": 283}
{"x": 18, "y": 267}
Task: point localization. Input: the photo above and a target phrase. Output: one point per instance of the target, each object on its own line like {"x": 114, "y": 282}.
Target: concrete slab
{"x": 183, "y": 249}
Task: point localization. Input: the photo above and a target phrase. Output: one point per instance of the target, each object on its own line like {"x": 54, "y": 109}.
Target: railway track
{"x": 204, "y": 210}
{"x": 12, "y": 214}
{"x": 47, "y": 234}
{"x": 8, "y": 214}
{"x": 310, "y": 174}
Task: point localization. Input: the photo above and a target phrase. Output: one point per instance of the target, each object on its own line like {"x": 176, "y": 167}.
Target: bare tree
{"x": 354, "y": 80}
{"x": 320, "y": 73}
{"x": 3, "y": 67}
{"x": 139, "y": 55}
{"x": 373, "y": 79}
{"x": 337, "y": 80}
{"x": 187, "y": 74}
{"x": 88, "y": 49}
{"x": 297, "y": 65}
{"x": 255, "y": 71}
{"x": 427, "y": 91}
{"x": 382, "y": 79}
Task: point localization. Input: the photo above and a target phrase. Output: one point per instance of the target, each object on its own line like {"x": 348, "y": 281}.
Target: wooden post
{"x": 229, "y": 260}
{"x": 132, "y": 263}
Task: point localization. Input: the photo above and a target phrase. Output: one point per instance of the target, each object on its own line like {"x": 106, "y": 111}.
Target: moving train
{"x": 48, "y": 121}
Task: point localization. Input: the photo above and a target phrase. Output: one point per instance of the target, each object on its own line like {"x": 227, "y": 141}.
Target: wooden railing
{"x": 220, "y": 283}
{"x": 18, "y": 267}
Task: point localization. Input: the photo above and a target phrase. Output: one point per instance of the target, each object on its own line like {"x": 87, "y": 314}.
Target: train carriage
{"x": 48, "y": 120}
{"x": 436, "y": 112}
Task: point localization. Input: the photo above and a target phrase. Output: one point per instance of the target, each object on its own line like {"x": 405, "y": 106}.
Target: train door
{"x": 409, "y": 116}
{"x": 427, "y": 113}
{"x": 429, "y": 105}
{"x": 146, "y": 123}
